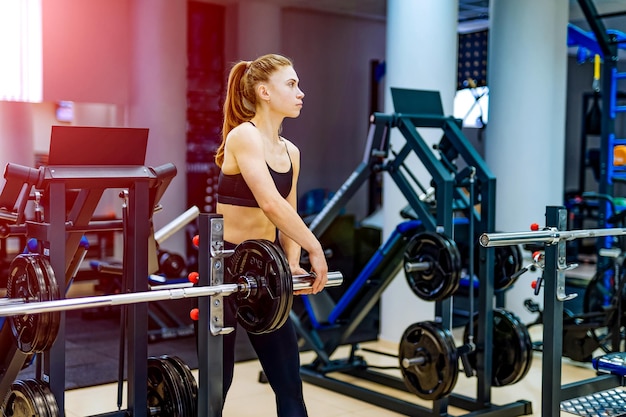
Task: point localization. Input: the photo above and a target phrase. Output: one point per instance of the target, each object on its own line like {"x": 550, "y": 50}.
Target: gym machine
{"x": 554, "y": 395}
{"x": 258, "y": 276}
{"x": 59, "y": 233}
{"x": 33, "y": 311}
{"x": 467, "y": 189}
{"x": 164, "y": 323}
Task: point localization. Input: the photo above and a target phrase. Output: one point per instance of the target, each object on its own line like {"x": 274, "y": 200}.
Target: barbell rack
{"x": 554, "y": 239}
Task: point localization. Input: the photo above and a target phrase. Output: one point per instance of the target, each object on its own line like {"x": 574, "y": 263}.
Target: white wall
{"x": 332, "y": 56}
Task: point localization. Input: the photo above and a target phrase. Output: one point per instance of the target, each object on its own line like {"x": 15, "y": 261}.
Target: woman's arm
{"x": 293, "y": 251}
{"x": 246, "y": 146}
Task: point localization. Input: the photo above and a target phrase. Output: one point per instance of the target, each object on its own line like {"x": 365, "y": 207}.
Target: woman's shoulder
{"x": 245, "y": 128}
{"x": 290, "y": 145}
{"x": 244, "y": 134}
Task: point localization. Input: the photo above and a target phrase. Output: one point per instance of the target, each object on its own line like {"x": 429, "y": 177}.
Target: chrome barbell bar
{"x": 15, "y": 307}
{"x": 549, "y": 236}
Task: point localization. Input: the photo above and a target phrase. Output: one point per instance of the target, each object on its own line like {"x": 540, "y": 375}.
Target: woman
{"x": 257, "y": 196}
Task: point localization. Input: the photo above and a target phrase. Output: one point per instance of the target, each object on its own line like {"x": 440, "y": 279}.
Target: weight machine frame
{"x": 60, "y": 232}
{"x": 388, "y": 259}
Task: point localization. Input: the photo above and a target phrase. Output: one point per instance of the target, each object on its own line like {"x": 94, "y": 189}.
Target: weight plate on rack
{"x": 171, "y": 264}
{"x": 165, "y": 390}
{"x": 512, "y": 352}
{"x": 27, "y": 399}
{"x": 436, "y": 376}
{"x": 45, "y": 397}
{"x": 441, "y": 279}
{"x": 267, "y": 306}
{"x": 508, "y": 261}
{"x": 188, "y": 383}
{"x": 53, "y": 292}
{"x": 26, "y": 281}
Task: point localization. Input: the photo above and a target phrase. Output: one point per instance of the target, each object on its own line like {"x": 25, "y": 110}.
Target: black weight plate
{"x": 262, "y": 310}
{"x": 190, "y": 386}
{"x": 50, "y": 400}
{"x": 53, "y": 294}
{"x": 508, "y": 261}
{"x": 164, "y": 390}
{"x": 181, "y": 388}
{"x": 172, "y": 265}
{"x": 286, "y": 303}
{"x": 21, "y": 401}
{"x": 26, "y": 281}
{"x": 44, "y": 398}
{"x": 437, "y": 376}
{"x": 512, "y": 348}
{"x": 442, "y": 278}
{"x": 276, "y": 255}
{"x": 38, "y": 398}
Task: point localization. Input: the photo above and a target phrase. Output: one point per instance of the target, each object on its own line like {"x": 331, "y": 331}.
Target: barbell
{"x": 549, "y": 236}
{"x": 257, "y": 273}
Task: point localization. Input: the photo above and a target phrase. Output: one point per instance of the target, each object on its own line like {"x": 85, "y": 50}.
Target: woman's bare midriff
{"x": 243, "y": 223}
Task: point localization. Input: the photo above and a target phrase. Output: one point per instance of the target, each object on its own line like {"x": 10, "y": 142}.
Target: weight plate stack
{"x": 436, "y": 375}
{"x": 512, "y": 348}
{"x": 267, "y": 306}
{"x": 190, "y": 387}
{"x": 508, "y": 261}
{"x": 27, "y": 281}
{"x": 45, "y": 395}
{"x": 166, "y": 390}
{"x": 441, "y": 279}
{"x": 53, "y": 289}
{"x": 285, "y": 283}
{"x": 29, "y": 398}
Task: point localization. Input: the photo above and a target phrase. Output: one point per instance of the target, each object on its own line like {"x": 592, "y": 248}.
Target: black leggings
{"x": 279, "y": 356}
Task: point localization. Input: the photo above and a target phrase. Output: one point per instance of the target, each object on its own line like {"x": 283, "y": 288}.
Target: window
{"x": 21, "y": 76}
{"x": 472, "y": 105}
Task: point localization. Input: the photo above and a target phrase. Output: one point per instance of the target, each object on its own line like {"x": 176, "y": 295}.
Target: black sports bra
{"x": 232, "y": 189}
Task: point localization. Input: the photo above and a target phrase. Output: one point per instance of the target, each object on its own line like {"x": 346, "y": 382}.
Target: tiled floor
{"x": 248, "y": 397}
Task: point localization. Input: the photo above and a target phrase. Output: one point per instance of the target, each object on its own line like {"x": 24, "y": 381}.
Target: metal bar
{"x": 303, "y": 282}
{"x": 53, "y": 361}
{"x": 7, "y": 216}
{"x": 553, "y": 321}
{"x": 114, "y": 299}
{"x": 137, "y": 263}
{"x": 549, "y": 236}
{"x": 13, "y": 306}
{"x": 175, "y": 225}
{"x": 598, "y": 28}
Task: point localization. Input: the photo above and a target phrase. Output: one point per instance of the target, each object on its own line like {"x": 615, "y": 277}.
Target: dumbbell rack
{"x": 60, "y": 239}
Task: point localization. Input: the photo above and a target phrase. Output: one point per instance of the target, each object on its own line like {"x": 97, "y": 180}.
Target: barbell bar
{"x": 14, "y": 307}
{"x": 175, "y": 225}
{"x": 549, "y": 236}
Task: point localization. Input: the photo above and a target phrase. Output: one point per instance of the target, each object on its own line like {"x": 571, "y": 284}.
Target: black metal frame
{"x": 60, "y": 233}
{"x": 552, "y": 392}
{"x": 449, "y": 198}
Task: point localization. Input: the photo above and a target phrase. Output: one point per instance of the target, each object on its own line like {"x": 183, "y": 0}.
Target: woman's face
{"x": 284, "y": 92}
